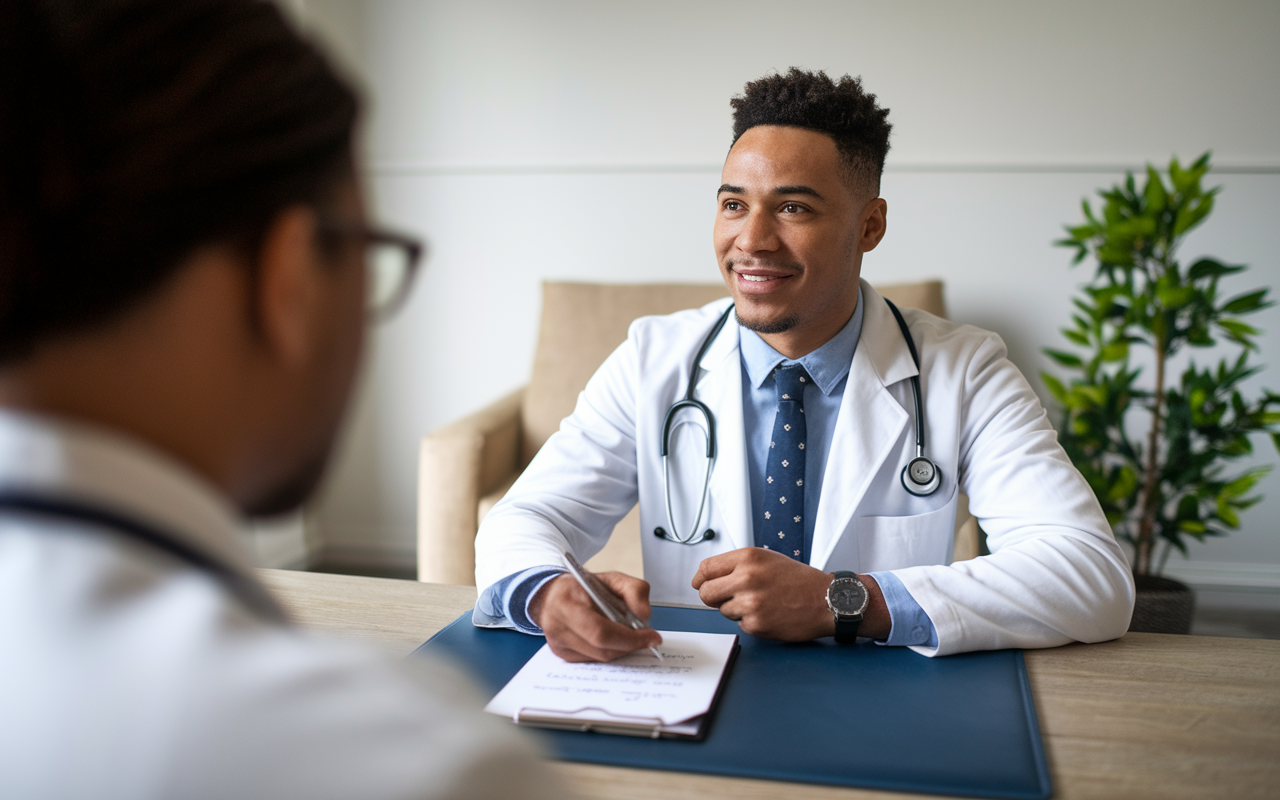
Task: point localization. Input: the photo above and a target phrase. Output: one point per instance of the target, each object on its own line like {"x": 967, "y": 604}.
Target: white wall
{"x": 557, "y": 140}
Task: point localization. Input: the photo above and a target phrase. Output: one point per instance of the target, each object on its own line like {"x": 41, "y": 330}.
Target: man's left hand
{"x": 776, "y": 597}
{"x": 770, "y": 595}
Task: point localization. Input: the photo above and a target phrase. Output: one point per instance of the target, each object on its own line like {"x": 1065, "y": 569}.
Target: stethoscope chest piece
{"x": 921, "y": 477}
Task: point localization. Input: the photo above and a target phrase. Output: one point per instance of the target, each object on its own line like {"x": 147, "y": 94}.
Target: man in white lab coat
{"x": 822, "y": 513}
{"x": 182, "y": 305}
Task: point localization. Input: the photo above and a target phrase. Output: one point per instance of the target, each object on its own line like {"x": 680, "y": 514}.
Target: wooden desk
{"x": 1147, "y": 716}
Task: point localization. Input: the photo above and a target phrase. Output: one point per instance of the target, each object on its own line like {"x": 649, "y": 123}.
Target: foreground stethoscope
{"x": 920, "y": 477}
{"x": 249, "y": 593}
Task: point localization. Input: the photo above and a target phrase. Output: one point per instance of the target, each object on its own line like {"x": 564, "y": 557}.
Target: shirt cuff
{"x": 908, "y": 624}
{"x": 507, "y": 600}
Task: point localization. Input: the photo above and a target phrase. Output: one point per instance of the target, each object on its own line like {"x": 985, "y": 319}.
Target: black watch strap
{"x": 847, "y": 629}
{"x": 847, "y": 625}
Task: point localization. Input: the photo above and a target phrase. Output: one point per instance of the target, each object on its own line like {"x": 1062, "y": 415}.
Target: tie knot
{"x": 791, "y": 380}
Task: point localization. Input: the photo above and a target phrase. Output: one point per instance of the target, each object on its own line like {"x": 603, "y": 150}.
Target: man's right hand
{"x": 575, "y": 628}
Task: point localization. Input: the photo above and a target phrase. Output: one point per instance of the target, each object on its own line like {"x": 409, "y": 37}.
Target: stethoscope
{"x": 920, "y": 477}
{"x": 248, "y": 592}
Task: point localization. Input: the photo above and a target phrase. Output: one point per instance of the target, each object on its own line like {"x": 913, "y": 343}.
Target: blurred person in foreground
{"x": 182, "y": 309}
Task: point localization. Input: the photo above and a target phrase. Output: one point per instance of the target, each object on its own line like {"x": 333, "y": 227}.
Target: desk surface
{"x": 1148, "y": 715}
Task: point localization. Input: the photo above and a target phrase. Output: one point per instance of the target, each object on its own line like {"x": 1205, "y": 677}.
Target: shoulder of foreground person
{"x": 341, "y": 721}
{"x": 128, "y": 676}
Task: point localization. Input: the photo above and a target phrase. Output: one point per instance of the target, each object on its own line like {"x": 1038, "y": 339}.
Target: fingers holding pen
{"x": 575, "y": 628}
{"x": 633, "y": 591}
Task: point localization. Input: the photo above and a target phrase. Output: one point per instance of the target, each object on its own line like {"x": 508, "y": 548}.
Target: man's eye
{"x": 793, "y": 208}
{"x": 732, "y": 205}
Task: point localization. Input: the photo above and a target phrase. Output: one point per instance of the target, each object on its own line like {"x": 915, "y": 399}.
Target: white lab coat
{"x": 1055, "y": 575}
{"x": 125, "y": 672}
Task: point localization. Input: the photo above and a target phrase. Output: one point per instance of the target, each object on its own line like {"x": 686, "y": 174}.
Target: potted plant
{"x": 1159, "y": 472}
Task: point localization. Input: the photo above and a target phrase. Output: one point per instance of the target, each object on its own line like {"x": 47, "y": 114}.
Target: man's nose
{"x": 758, "y": 233}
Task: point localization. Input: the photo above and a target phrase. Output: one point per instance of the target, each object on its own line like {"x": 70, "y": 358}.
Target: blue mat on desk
{"x": 865, "y": 716}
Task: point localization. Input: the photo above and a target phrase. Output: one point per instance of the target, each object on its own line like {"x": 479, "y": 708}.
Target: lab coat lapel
{"x": 870, "y": 423}
{"x": 721, "y": 390}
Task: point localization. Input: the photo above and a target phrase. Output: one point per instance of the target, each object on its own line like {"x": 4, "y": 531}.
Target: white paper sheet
{"x": 634, "y": 688}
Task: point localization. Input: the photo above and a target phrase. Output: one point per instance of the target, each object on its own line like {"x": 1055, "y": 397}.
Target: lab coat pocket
{"x": 886, "y": 543}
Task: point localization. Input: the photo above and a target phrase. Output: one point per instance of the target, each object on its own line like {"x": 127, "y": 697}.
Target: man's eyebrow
{"x": 779, "y": 190}
{"x": 797, "y": 190}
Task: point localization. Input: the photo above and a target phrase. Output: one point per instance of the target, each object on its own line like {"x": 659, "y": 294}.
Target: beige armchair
{"x": 465, "y": 468}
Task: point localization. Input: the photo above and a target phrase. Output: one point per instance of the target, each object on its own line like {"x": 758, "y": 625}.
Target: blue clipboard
{"x": 863, "y": 716}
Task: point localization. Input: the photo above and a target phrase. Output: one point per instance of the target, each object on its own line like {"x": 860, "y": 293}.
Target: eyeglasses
{"x": 391, "y": 263}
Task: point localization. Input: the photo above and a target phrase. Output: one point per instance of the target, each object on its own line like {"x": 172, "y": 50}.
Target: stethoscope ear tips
{"x": 660, "y": 533}
{"x": 921, "y": 477}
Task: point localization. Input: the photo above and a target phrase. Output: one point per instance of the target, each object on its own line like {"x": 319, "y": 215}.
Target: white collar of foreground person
{"x": 96, "y": 467}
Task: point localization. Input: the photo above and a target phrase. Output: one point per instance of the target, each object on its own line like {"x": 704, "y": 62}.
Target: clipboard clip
{"x": 626, "y": 725}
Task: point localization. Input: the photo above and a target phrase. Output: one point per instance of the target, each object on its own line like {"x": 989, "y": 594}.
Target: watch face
{"x": 847, "y": 597}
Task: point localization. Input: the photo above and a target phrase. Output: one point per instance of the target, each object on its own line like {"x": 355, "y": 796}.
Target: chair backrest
{"x": 582, "y": 323}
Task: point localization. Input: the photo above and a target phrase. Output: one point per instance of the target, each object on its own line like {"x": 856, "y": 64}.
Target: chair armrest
{"x": 457, "y": 465}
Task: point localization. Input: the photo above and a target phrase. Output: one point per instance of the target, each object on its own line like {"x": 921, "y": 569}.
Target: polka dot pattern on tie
{"x": 784, "y": 473}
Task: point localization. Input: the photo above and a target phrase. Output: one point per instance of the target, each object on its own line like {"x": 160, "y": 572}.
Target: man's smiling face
{"x": 789, "y": 236}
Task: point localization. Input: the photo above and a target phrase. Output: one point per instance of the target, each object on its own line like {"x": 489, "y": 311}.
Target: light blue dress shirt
{"x": 829, "y": 368}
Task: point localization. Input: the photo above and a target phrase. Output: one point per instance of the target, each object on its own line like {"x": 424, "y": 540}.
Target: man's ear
{"x": 286, "y": 294}
{"x": 874, "y": 223}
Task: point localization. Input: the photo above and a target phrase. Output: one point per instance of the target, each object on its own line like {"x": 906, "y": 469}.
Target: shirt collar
{"x": 76, "y": 461}
{"x": 828, "y": 365}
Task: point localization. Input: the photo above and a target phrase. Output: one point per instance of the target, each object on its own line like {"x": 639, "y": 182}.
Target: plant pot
{"x": 1163, "y": 605}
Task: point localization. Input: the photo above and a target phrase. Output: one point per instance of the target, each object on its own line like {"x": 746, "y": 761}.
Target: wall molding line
{"x": 1226, "y": 575}
{"x": 409, "y": 169}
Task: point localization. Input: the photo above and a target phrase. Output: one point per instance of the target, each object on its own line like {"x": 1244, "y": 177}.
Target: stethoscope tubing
{"x": 909, "y": 483}
{"x": 248, "y": 592}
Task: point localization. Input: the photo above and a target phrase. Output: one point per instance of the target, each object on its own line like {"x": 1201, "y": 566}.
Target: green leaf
{"x": 1056, "y": 388}
{"x": 1156, "y": 196}
{"x": 1242, "y": 484}
{"x": 1179, "y": 177}
{"x": 1209, "y": 268}
{"x": 1076, "y": 336}
{"x": 1228, "y": 515}
{"x": 1116, "y": 351}
{"x": 1191, "y": 215}
{"x": 1175, "y": 297}
{"x": 1245, "y": 303}
{"x": 1088, "y": 212}
{"x": 1126, "y": 484}
{"x": 1065, "y": 359}
{"x": 1093, "y": 395}
{"x": 1239, "y": 331}
{"x": 1192, "y": 526}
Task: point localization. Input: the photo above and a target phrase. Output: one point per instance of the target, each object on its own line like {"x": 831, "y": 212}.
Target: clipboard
{"x": 626, "y": 725}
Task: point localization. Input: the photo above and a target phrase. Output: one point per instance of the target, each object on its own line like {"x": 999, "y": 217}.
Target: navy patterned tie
{"x": 782, "y": 527}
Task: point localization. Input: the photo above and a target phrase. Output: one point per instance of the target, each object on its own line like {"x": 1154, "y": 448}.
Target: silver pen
{"x": 612, "y": 606}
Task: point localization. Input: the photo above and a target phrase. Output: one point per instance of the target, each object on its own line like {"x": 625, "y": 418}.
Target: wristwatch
{"x": 847, "y": 599}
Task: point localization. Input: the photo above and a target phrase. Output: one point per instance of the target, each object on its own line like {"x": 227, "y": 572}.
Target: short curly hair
{"x": 840, "y": 109}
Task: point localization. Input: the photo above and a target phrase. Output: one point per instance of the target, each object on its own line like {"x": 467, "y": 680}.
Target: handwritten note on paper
{"x": 638, "y": 686}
